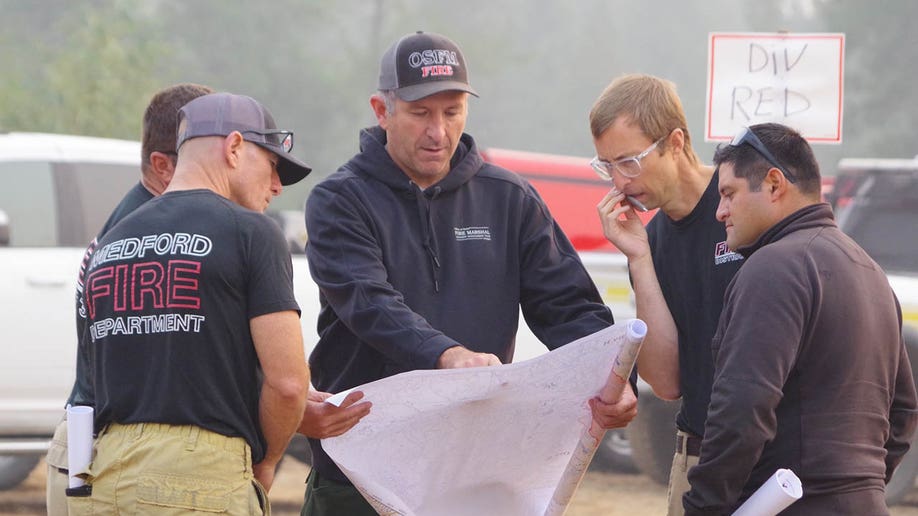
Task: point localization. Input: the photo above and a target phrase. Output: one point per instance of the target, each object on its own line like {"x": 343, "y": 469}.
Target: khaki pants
{"x": 56, "y": 484}
{"x": 149, "y": 468}
{"x": 678, "y": 476}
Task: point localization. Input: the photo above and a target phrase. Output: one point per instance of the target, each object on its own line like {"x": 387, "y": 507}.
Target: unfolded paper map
{"x": 507, "y": 440}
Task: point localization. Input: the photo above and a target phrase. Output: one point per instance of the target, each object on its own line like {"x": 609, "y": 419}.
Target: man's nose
{"x": 436, "y": 127}
{"x": 721, "y": 213}
{"x": 276, "y": 186}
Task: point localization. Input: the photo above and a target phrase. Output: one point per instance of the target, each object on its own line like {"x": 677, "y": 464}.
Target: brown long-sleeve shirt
{"x": 810, "y": 374}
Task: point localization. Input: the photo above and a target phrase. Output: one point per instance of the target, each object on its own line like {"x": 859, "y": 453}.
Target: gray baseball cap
{"x": 421, "y": 64}
{"x": 219, "y": 114}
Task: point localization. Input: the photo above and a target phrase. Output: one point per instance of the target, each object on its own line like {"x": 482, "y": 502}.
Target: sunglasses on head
{"x": 748, "y": 137}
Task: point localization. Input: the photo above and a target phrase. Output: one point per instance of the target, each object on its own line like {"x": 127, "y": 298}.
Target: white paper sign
{"x": 793, "y": 79}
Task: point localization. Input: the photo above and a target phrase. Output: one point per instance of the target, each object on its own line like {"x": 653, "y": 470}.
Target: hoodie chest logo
{"x": 472, "y": 233}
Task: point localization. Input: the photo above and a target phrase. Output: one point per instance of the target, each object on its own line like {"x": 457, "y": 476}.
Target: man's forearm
{"x": 279, "y": 343}
{"x": 280, "y": 412}
{"x": 658, "y": 362}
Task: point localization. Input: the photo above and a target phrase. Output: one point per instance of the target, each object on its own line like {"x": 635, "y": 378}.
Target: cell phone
{"x": 636, "y": 204}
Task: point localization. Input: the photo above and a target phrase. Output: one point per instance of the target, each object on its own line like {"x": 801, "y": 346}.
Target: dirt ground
{"x": 601, "y": 494}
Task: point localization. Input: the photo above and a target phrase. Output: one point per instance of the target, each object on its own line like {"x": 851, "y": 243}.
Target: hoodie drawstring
{"x": 430, "y": 241}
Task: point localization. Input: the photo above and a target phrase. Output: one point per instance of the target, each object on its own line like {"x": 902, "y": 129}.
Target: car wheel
{"x": 16, "y": 468}
{"x": 652, "y": 435}
{"x": 614, "y": 453}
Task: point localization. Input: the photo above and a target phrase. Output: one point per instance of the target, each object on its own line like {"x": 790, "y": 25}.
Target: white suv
{"x": 57, "y": 192}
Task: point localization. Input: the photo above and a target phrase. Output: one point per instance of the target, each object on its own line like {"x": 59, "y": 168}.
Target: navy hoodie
{"x": 406, "y": 273}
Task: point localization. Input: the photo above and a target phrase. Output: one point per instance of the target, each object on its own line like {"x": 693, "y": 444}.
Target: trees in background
{"x": 82, "y": 68}
{"x": 89, "y": 67}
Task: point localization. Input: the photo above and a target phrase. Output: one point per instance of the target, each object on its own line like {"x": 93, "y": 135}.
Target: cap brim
{"x": 289, "y": 168}
{"x": 419, "y": 91}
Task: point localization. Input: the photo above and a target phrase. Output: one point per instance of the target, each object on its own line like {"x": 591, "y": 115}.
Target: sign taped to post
{"x": 793, "y": 79}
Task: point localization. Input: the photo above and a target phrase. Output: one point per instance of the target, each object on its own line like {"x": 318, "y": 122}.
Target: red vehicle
{"x": 569, "y": 187}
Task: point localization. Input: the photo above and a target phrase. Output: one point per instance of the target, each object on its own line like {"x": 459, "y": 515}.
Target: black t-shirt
{"x": 694, "y": 268}
{"x": 169, "y": 293}
{"x": 81, "y": 394}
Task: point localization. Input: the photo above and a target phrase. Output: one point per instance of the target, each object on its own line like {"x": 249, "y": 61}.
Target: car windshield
{"x": 882, "y": 219}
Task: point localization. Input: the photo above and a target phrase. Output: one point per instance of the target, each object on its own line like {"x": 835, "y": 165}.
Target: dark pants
{"x": 326, "y": 497}
{"x": 867, "y": 502}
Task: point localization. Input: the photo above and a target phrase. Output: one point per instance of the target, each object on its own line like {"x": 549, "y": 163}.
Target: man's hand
{"x": 627, "y": 234}
{"x": 321, "y": 419}
{"x": 617, "y": 414}
{"x": 264, "y": 474}
{"x": 458, "y": 356}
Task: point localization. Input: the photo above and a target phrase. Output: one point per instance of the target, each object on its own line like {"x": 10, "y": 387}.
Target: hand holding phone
{"x": 636, "y": 204}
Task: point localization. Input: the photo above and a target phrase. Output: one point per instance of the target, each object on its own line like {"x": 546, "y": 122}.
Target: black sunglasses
{"x": 747, "y": 136}
{"x": 283, "y": 139}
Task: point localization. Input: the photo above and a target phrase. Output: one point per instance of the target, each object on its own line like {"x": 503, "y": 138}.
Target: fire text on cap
{"x": 434, "y": 62}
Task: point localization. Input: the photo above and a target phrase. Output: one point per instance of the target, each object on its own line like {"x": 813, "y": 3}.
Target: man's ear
{"x": 775, "y": 183}
{"x": 379, "y": 109}
{"x": 676, "y": 141}
{"x": 232, "y": 148}
{"x": 162, "y": 165}
{"x": 159, "y": 173}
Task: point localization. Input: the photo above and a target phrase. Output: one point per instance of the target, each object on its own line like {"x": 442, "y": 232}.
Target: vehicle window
{"x": 293, "y": 224}
{"x": 89, "y": 193}
{"x": 30, "y": 204}
{"x": 889, "y": 241}
{"x": 881, "y": 219}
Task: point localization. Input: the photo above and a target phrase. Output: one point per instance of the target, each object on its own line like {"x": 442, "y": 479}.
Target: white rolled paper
{"x": 776, "y": 494}
{"x": 79, "y": 441}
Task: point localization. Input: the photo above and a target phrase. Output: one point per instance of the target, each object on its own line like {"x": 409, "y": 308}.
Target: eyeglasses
{"x": 628, "y": 167}
{"x": 747, "y": 136}
{"x": 283, "y": 139}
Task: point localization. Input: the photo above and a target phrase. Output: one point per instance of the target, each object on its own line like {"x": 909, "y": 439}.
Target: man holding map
{"x": 424, "y": 254}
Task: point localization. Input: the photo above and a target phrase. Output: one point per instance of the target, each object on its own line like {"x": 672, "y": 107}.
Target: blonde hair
{"x": 650, "y": 102}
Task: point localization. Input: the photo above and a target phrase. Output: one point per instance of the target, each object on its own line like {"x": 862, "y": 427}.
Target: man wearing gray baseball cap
{"x": 219, "y": 114}
{"x": 200, "y": 376}
{"x": 424, "y": 254}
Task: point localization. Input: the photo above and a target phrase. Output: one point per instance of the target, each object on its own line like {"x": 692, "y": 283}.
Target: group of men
{"x": 757, "y": 311}
{"x": 756, "y": 304}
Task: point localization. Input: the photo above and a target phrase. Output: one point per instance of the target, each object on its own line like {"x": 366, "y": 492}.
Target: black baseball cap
{"x": 421, "y": 64}
{"x": 219, "y": 114}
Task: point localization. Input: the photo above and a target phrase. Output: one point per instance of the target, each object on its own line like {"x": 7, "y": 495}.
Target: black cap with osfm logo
{"x": 421, "y": 64}
{"x": 219, "y": 114}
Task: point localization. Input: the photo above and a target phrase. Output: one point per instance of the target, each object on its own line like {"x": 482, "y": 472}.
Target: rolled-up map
{"x": 79, "y": 441}
{"x": 776, "y": 494}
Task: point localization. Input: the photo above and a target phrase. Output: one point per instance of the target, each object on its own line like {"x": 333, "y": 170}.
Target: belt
{"x": 691, "y": 445}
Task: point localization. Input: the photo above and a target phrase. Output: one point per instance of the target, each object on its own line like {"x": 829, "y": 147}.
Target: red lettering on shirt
{"x": 147, "y": 280}
{"x": 144, "y": 286}
{"x": 183, "y": 284}
{"x": 98, "y": 286}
